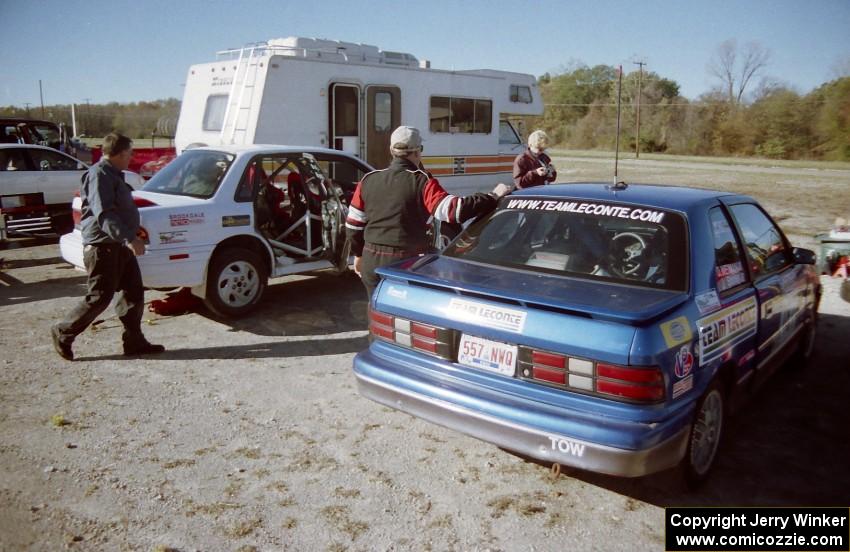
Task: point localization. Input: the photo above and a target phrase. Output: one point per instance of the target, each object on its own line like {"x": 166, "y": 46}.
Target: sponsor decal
{"x": 729, "y": 275}
{"x": 397, "y": 293}
{"x": 185, "y": 219}
{"x": 484, "y": 315}
{"x": 683, "y": 386}
{"x": 172, "y": 237}
{"x": 721, "y": 331}
{"x": 677, "y": 331}
{"x": 567, "y": 446}
{"x": 707, "y": 302}
{"x": 601, "y": 209}
{"x": 684, "y": 361}
{"x": 235, "y": 220}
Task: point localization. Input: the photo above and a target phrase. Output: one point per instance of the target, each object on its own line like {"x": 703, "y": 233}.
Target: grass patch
{"x": 58, "y": 420}
{"x": 214, "y": 509}
{"x": 179, "y": 463}
{"x": 243, "y": 528}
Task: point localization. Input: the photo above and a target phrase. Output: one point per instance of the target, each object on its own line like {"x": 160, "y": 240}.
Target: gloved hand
{"x": 501, "y": 190}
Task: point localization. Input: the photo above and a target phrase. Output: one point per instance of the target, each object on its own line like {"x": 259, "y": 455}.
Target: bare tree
{"x": 736, "y": 67}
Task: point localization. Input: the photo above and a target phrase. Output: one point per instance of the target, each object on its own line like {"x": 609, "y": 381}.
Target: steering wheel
{"x": 626, "y": 255}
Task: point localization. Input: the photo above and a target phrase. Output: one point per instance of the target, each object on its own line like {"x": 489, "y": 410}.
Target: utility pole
{"x": 41, "y": 95}
{"x": 640, "y": 64}
{"x": 88, "y": 116}
{"x": 27, "y": 106}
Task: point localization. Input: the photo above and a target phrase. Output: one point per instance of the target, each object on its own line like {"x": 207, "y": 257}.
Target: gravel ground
{"x": 250, "y": 435}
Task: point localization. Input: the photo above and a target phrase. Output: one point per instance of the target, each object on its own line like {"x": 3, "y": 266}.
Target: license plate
{"x": 484, "y": 354}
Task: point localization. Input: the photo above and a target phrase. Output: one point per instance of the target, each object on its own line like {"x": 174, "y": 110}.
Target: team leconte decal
{"x": 677, "y": 331}
{"x": 600, "y": 209}
{"x": 707, "y": 302}
{"x": 172, "y": 237}
{"x": 492, "y": 317}
{"x": 235, "y": 220}
{"x": 684, "y": 361}
{"x": 682, "y": 386}
{"x": 184, "y": 219}
{"x": 397, "y": 293}
{"x": 724, "y": 329}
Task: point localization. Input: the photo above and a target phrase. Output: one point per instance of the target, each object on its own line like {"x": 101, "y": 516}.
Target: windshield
{"x": 195, "y": 173}
{"x": 590, "y": 240}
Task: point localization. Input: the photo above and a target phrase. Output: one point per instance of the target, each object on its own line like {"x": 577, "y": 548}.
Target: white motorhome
{"x": 350, "y": 97}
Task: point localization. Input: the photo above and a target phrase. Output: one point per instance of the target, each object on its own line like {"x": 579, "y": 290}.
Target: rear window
{"x": 579, "y": 238}
{"x": 195, "y": 173}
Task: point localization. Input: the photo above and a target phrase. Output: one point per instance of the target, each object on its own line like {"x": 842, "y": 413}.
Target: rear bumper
{"x": 36, "y": 221}
{"x": 516, "y": 430}
{"x": 177, "y": 267}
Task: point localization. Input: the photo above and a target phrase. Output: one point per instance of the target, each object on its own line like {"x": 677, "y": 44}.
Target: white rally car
{"x": 223, "y": 220}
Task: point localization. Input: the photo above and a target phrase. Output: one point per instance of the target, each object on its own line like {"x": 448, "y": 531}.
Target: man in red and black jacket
{"x": 388, "y": 216}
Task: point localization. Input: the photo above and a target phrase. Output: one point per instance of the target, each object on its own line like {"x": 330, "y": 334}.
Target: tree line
{"x": 136, "y": 120}
{"x": 775, "y": 121}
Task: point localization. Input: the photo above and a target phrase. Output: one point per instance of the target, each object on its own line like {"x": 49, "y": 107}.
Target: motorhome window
{"x": 520, "y": 94}
{"x": 383, "y": 111}
{"x": 214, "y": 112}
{"x": 195, "y": 173}
{"x": 345, "y": 111}
{"x": 439, "y": 114}
{"x": 507, "y": 134}
{"x": 461, "y": 115}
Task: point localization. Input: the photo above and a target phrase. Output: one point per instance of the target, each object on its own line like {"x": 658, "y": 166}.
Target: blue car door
{"x": 779, "y": 282}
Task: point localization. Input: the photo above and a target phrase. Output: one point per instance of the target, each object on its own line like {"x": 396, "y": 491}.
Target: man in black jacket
{"x": 388, "y": 216}
{"x": 109, "y": 226}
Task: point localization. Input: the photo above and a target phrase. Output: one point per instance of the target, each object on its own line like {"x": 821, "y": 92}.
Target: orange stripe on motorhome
{"x": 438, "y": 172}
{"x": 478, "y": 170}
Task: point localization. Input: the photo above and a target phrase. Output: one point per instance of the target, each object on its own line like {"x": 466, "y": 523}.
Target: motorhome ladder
{"x": 234, "y": 128}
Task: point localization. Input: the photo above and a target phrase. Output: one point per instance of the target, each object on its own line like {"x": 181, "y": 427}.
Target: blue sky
{"x": 140, "y": 50}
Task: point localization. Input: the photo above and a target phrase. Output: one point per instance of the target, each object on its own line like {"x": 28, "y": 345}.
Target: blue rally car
{"x": 609, "y": 328}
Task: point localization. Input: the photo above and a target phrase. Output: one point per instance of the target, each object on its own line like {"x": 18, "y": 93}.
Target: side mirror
{"x": 804, "y": 256}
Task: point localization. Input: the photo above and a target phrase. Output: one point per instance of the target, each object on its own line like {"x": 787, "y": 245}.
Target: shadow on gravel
{"x": 321, "y": 346}
{"x": 15, "y": 292}
{"x": 320, "y": 304}
{"x": 787, "y": 446}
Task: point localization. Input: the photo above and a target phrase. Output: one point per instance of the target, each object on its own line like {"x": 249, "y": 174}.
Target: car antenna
{"x": 618, "y": 185}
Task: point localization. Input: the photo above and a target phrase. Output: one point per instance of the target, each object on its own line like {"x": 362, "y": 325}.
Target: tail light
{"x": 627, "y": 383}
{"x": 407, "y": 333}
{"x": 142, "y": 202}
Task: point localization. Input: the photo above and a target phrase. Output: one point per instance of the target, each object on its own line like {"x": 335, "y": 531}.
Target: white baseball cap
{"x": 406, "y": 139}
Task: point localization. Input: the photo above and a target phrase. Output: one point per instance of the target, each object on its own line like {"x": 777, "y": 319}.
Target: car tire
{"x": 236, "y": 281}
{"x": 705, "y": 436}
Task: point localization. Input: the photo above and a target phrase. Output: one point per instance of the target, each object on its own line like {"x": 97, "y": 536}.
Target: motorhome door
{"x": 345, "y": 118}
{"x": 383, "y": 115}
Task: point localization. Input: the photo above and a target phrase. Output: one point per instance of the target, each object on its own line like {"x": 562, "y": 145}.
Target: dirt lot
{"x": 250, "y": 435}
